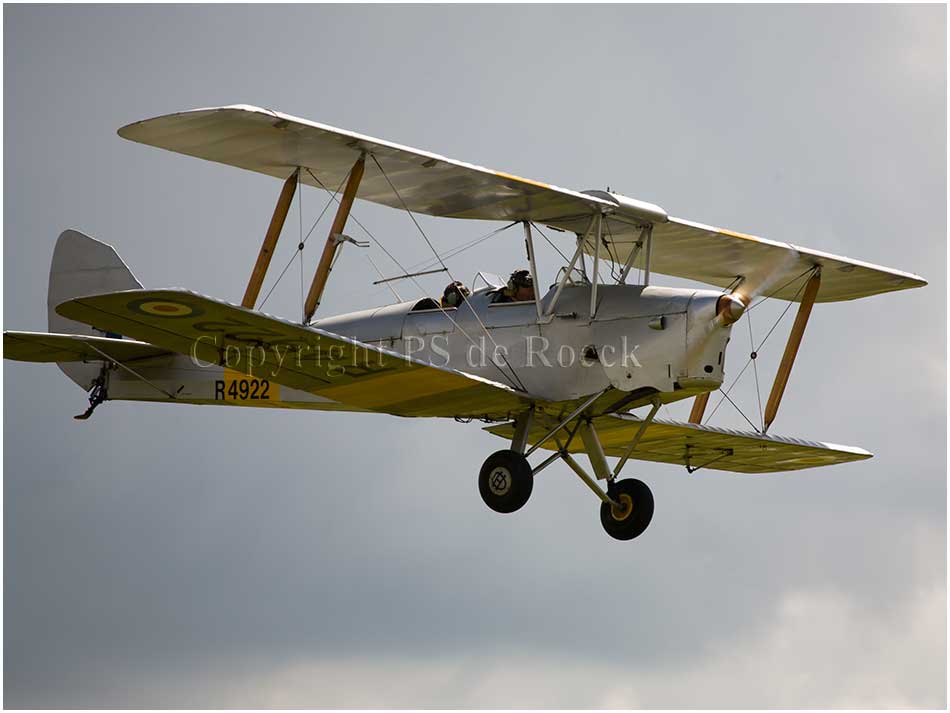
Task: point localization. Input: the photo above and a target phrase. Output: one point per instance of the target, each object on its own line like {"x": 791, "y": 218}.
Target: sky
{"x": 174, "y": 555}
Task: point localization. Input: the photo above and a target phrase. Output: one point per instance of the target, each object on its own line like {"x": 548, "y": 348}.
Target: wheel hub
{"x": 625, "y": 510}
{"x": 499, "y": 482}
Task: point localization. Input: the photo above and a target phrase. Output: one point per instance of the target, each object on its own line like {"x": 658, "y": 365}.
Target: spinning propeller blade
{"x": 732, "y": 305}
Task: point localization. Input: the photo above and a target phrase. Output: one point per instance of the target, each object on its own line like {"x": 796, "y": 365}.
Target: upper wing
{"x": 313, "y": 360}
{"x": 42, "y": 347}
{"x": 274, "y": 143}
{"x": 696, "y": 446}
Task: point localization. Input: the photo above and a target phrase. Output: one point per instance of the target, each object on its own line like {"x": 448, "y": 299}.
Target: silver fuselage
{"x": 646, "y": 341}
{"x": 641, "y": 338}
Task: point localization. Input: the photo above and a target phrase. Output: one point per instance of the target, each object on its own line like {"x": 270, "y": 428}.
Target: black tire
{"x": 631, "y": 522}
{"x": 505, "y": 481}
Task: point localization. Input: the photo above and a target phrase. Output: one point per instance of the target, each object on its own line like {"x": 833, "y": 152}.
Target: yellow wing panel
{"x": 695, "y": 446}
{"x": 319, "y": 362}
{"x": 42, "y": 347}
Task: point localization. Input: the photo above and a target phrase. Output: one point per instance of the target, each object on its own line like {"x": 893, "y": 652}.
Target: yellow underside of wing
{"x": 696, "y": 446}
{"x": 356, "y": 375}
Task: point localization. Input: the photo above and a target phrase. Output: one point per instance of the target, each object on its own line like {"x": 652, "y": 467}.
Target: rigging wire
{"x": 548, "y": 241}
{"x": 300, "y": 245}
{"x": 372, "y": 237}
{"x": 741, "y": 413}
{"x": 355, "y": 220}
{"x": 775, "y": 292}
{"x": 458, "y": 250}
{"x": 411, "y": 216}
{"x": 725, "y": 394}
{"x": 753, "y": 355}
{"x": 451, "y": 277}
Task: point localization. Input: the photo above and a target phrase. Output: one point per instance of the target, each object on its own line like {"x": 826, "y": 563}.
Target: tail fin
{"x": 83, "y": 266}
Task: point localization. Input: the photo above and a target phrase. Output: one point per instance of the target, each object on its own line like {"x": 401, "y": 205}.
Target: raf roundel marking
{"x": 165, "y": 308}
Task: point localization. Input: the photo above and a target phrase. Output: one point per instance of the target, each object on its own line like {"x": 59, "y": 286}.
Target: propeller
{"x": 732, "y": 305}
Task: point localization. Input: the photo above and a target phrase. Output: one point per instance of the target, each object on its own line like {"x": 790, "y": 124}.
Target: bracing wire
{"x": 725, "y": 394}
{"x": 300, "y": 243}
{"x": 355, "y": 220}
{"x": 776, "y": 291}
{"x": 741, "y": 413}
{"x": 549, "y": 242}
{"x": 299, "y": 250}
{"x": 753, "y": 355}
{"x": 372, "y": 237}
{"x": 411, "y": 216}
{"x": 451, "y": 277}
{"x": 459, "y": 249}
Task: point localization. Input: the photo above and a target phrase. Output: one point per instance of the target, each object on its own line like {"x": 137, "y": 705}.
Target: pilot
{"x": 454, "y": 294}
{"x": 520, "y": 288}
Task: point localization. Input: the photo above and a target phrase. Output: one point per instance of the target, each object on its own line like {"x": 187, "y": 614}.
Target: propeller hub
{"x": 730, "y": 308}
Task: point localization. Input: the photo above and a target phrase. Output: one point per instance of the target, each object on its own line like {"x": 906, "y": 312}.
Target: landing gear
{"x": 506, "y": 478}
{"x": 505, "y": 481}
{"x": 631, "y": 510}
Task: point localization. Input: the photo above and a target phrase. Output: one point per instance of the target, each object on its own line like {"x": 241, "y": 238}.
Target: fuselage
{"x": 650, "y": 342}
{"x": 652, "y": 339}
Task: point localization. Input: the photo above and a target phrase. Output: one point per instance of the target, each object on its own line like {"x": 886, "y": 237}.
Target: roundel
{"x": 164, "y": 308}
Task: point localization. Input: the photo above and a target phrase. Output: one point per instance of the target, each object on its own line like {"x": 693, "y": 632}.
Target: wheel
{"x": 505, "y": 481}
{"x": 633, "y": 518}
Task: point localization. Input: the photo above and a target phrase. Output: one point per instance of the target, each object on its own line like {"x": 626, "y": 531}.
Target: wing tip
{"x": 128, "y": 131}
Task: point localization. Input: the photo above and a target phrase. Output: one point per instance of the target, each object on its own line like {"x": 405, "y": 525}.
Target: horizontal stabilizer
{"x": 696, "y": 446}
{"x": 42, "y": 347}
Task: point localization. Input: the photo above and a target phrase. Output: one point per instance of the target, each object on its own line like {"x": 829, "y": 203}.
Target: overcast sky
{"x": 162, "y": 555}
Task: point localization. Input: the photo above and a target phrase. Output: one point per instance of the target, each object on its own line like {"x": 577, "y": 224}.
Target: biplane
{"x": 560, "y": 370}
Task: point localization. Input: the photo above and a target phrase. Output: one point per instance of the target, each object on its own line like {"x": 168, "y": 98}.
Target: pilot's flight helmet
{"x": 454, "y": 294}
{"x": 520, "y": 278}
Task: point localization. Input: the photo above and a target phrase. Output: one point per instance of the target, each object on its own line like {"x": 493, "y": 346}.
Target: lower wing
{"x": 695, "y": 446}
{"x": 312, "y": 360}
